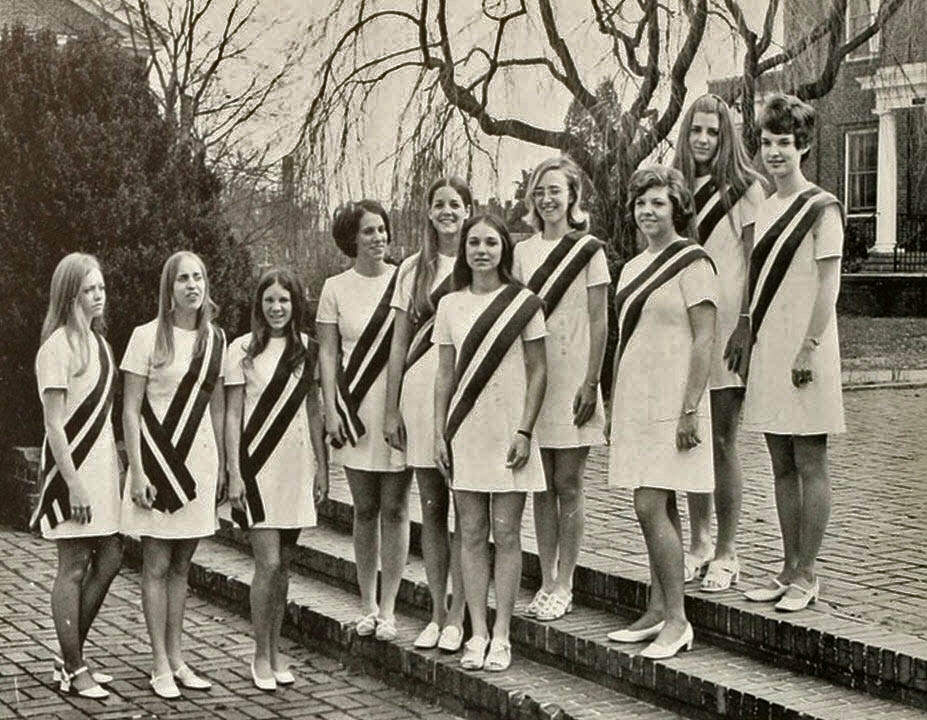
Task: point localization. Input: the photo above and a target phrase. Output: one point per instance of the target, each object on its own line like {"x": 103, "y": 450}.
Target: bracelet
{"x": 815, "y": 343}
{"x": 594, "y": 384}
{"x": 689, "y": 411}
{"x": 523, "y": 432}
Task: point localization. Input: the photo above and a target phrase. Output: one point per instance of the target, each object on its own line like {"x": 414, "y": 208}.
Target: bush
{"x": 90, "y": 165}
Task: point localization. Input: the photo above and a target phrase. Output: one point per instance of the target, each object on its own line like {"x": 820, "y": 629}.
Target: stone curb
{"x": 844, "y": 651}
{"x": 883, "y": 379}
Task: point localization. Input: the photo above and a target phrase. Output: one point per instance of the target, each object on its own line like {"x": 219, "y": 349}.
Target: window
{"x": 860, "y": 14}
{"x": 862, "y": 159}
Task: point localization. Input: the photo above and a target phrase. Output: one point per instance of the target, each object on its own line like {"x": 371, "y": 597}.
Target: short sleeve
{"x": 536, "y": 327}
{"x": 749, "y": 203}
{"x": 441, "y": 333}
{"x": 699, "y": 283}
{"x": 234, "y": 373}
{"x": 516, "y": 262}
{"x": 225, "y": 354}
{"x": 51, "y": 363}
{"x": 828, "y": 233}
{"x": 597, "y": 270}
{"x": 328, "y": 305}
{"x": 405, "y": 286}
{"x": 137, "y": 357}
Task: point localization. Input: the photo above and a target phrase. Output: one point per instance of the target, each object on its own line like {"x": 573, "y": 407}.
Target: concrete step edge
{"x": 327, "y": 552}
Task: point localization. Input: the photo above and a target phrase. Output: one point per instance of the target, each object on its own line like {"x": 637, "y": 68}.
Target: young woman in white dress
{"x": 567, "y": 267}
{"x": 661, "y": 421}
{"x": 173, "y": 371}
{"x": 354, "y": 323}
{"x": 793, "y": 388}
{"x": 726, "y": 191}
{"x": 424, "y": 278}
{"x": 78, "y": 506}
{"x": 276, "y": 455}
{"x": 488, "y": 392}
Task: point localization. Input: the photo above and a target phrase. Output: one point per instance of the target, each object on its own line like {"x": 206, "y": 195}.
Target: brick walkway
{"x": 217, "y": 644}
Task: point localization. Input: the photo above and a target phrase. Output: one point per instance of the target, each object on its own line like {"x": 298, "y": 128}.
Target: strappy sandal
{"x": 94, "y": 692}
{"x": 694, "y": 565}
{"x": 556, "y": 607}
{"x": 499, "y": 656}
{"x": 100, "y": 678}
{"x": 386, "y": 629}
{"x": 474, "y": 653}
{"x": 366, "y": 624}
{"x": 537, "y": 602}
{"x": 720, "y": 575}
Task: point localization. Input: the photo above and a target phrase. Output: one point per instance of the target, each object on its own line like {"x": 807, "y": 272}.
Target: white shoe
{"x": 164, "y": 686}
{"x": 267, "y": 684}
{"x": 451, "y": 639}
{"x": 284, "y": 677}
{"x": 429, "y": 637}
{"x": 798, "y": 598}
{"x": 765, "y": 594}
{"x": 656, "y": 651}
{"x": 94, "y": 691}
{"x": 100, "y": 678}
{"x": 190, "y": 679}
{"x": 634, "y": 636}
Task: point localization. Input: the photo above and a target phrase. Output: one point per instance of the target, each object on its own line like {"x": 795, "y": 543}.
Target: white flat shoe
{"x": 164, "y": 686}
{"x": 284, "y": 677}
{"x": 656, "y": 651}
{"x": 762, "y": 594}
{"x": 429, "y": 637}
{"x": 451, "y": 639}
{"x": 635, "y": 636}
{"x": 190, "y": 679}
{"x": 266, "y": 684}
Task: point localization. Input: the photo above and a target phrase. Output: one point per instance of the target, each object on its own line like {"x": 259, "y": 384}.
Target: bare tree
{"x": 454, "y": 87}
{"x": 203, "y": 65}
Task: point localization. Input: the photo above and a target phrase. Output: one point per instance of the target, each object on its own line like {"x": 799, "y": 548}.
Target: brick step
{"x": 322, "y": 615}
{"x": 710, "y": 681}
{"x": 818, "y": 642}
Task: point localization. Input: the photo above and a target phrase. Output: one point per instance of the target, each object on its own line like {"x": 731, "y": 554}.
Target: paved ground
{"x": 874, "y": 560}
{"x": 217, "y": 644}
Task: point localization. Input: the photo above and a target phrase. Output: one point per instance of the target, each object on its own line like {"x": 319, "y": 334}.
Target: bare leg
{"x": 788, "y": 501}
{"x": 699, "y": 523}
{"x": 181, "y": 555}
{"x": 365, "y": 494}
{"x": 73, "y": 560}
{"x": 725, "y": 415}
{"x": 394, "y": 530}
{"x": 507, "y": 509}
{"x": 287, "y": 550}
{"x": 455, "y": 614}
{"x": 811, "y": 460}
{"x": 655, "y": 510}
{"x": 569, "y": 466}
{"x": 436, "y": 548}
{"x": 265, "y": 546}
{"x": 104, "y": 566}
{"x": 546, "y": 524}
{"x": 156, "y": 564}
{"x": 473, "y": 523}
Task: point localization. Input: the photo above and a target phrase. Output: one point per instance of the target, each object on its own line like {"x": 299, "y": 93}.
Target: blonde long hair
{"x": 164, "y": 338}
{"x": 577, "y": 218}
{"x": 62, "y": 305}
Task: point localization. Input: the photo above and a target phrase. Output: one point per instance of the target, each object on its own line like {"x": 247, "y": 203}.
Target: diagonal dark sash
{"x": 630, "y": 300}
{"x": 563, "y": 264}
{"x": 709, "y": 193}
{"x": 490, "y": 339}
{"x": 165, "y": 444}
{"x": 282, "y": 383}
{"x": 81, "y": 429}
{"x": 422, "y": 339}
{"x": 771, "y": 264}
{"x": 365, "y": 363}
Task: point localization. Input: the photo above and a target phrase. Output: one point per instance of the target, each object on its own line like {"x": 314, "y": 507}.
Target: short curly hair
{"x": 346, "y": 223}
{"x": 674, "y": 182}
{"x": 785, "y": 115}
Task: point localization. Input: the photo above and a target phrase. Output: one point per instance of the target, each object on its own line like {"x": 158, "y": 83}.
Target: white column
{"x": 886, "y": 184}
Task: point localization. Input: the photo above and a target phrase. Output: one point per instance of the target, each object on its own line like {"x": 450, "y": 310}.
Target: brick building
{"x": 67, "y": 19}
{"x": 870, "y": 147}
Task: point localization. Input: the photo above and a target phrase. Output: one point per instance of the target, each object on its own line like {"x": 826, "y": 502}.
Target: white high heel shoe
{"x": 656, "y": 651}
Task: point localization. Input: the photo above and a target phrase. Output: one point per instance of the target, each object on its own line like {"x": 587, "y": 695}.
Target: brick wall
{"x": 19, "y": 482}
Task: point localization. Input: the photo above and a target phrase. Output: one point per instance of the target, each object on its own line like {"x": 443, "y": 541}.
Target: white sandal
{"x": 474, "y": 655}
{"x": 94, "y": 692}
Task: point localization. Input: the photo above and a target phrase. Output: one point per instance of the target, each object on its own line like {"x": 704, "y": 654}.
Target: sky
{"x": 533, "y": 97}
